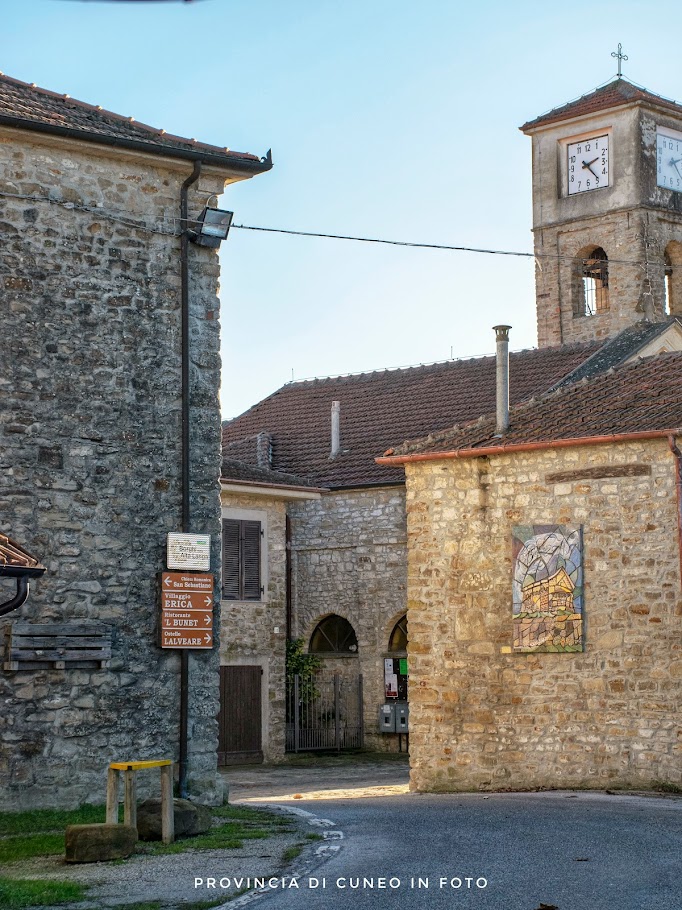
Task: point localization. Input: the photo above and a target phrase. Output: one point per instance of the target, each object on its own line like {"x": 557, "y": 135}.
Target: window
{"x": 595, "y": 283}
{"x": 398, "y": 639}
{"x": 334, "y": 635}
{"x": 242, "y": 559}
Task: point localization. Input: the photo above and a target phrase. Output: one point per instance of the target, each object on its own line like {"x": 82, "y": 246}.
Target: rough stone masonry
{"x": 90, "y": 457}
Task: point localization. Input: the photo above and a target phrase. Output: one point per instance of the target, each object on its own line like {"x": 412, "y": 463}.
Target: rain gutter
{"x": 482, "y": 451}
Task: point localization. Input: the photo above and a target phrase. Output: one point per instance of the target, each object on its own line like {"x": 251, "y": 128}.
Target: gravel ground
{"x": 169, "y": 879}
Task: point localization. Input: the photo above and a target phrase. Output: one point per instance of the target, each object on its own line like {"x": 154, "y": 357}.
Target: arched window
{"x": 667, "y": 278}
{"x": 595, "y": 283}
{"x": 334, "y": 635}
{"x": 398, "y": 639}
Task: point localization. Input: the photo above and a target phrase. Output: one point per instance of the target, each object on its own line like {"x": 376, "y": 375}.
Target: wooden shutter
{"x": 241, "y": 559}
{"x": 250, "y": 557}
{"x": 231, "y": 559}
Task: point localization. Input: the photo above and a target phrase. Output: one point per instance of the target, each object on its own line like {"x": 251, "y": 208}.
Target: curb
{"x": 307, "y": 862}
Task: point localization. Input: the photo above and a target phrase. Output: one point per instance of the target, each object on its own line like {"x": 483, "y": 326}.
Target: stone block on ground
{"x": 99, "y": 843}
{"x": 189, "y": 818}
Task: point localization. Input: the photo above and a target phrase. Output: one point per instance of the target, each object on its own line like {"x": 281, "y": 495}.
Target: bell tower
{"x": 607, "y": 213}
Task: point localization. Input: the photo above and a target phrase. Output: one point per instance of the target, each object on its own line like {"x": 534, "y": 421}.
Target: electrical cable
{"x": 176, "y": 232}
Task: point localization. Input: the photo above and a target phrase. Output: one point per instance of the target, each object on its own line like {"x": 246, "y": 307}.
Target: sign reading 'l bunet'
{"x": 188, "y": 551}
{"x": 186, "y": 610}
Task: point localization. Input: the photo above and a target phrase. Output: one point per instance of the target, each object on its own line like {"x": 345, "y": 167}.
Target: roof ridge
{"x": 573, "y": 346}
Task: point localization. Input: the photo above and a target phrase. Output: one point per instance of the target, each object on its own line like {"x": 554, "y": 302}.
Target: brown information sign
{"x": 186, "y": 610}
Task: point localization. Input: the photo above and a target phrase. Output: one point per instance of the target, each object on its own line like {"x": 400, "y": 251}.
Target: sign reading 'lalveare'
{"x": 186, "y": 610}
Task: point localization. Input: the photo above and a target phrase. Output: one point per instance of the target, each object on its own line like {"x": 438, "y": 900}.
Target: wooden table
{"x": 129, "y": 769}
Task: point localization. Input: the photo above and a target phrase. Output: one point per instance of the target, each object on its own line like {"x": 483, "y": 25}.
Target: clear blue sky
{"x": 387, "y": 118}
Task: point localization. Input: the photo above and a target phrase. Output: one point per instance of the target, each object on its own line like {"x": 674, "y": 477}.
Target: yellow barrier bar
{"x": 139, "y": 765}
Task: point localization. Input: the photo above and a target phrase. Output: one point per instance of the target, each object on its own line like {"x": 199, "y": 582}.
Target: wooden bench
{"x": 39, "y": 646}
{"x": 129, "y": 769}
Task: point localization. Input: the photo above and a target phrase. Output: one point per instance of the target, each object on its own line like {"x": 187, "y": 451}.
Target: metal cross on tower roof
{"x": 621, "y": 56}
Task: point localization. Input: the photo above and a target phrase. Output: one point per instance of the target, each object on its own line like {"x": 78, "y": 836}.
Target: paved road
{"x": 574, "y": 851}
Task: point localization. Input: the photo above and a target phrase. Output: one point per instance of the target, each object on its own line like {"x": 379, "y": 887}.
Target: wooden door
{"x": 240, "y": 721}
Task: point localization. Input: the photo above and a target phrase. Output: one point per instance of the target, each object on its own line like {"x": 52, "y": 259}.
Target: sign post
{"x": 186, "y": 610}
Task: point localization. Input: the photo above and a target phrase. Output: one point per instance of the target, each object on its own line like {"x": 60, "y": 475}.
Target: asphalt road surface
{"x": 572, "y": 851}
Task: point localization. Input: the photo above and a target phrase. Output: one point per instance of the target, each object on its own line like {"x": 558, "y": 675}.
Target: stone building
{"x": 90, "y": 436}
{"x": 606, "y": 296}
{"x": 488, "y": 712}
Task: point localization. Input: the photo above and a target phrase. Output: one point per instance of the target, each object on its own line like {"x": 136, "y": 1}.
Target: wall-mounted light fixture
{"x": 212, "y": 226}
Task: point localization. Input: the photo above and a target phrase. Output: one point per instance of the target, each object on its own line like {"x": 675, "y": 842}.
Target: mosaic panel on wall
{"x": 547, "y": 612}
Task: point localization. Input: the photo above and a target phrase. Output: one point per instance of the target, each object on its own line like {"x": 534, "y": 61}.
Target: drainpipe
{"x": 678, "y": 484}
{"x": 502, "y": 385}
{"x": 185, "y": 459}
{"x": 19, "y": 598}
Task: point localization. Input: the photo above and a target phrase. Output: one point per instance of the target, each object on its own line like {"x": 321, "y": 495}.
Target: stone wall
{"x": 254, "y": 633}
{"x": 484, "y": 718}
{"x": 90, "y": 455}
{"x": 349, "y": 558}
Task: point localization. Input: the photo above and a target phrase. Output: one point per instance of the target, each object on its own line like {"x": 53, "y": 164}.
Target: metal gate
{"x": 239, "y": 722}
{"x": 324, "y": 713}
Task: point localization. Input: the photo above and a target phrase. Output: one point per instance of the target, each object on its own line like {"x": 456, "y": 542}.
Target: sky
{"x": 387, "y": 119}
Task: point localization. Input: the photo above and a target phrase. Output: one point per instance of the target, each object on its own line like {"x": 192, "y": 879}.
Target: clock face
{"x": 588, "y": 164}
{"x": 669, "y": 160}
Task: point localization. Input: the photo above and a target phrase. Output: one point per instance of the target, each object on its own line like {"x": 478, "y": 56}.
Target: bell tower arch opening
{"x": 591, "y": 287}
{"x": 673, "y": 278}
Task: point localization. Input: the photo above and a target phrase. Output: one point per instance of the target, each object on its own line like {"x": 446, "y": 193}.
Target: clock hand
{"x": 675, "y": 163}
{"x": 586, "y": 166}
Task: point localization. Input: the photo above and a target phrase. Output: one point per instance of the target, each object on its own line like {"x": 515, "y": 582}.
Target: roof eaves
{"x": 502, "y": 449}
{"x": 209, "y": 155}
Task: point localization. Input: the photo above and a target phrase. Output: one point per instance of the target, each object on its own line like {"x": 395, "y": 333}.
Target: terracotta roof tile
{"x": 382, "y": 409}
{"x": 616, "y": 94}
{"x": 30, "y": 107}
{"x": 640, "y": 397}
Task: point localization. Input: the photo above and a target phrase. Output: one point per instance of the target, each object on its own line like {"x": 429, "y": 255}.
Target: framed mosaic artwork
{"x": 547, "y": 611}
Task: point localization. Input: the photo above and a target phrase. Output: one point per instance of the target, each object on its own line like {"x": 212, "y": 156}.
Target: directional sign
{"x": 186, "y": 610}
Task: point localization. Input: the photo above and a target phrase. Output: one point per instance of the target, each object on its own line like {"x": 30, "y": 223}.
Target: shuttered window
{"x": 241, "y": 560}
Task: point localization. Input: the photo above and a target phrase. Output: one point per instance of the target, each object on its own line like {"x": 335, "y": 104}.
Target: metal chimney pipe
{"x": 336, "y": 428}
{"x": 502, "y": 386}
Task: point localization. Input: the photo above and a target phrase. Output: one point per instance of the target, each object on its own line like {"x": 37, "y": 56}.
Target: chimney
{"x": 336, "y": 429}
{"x": 264, "y": 450}
{"x": 502, "y": 386}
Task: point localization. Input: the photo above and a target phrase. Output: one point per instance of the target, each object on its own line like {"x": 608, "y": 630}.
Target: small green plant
{"x": 303, "y": 665}
{"x": 24, "y": 893}
{"x": 292, "y": 852}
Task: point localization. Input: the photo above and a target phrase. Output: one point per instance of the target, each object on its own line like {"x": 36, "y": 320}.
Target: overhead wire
{"x": 175, "y": 231}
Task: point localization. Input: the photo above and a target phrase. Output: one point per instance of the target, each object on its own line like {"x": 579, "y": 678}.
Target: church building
{"x": 517, "y": 583}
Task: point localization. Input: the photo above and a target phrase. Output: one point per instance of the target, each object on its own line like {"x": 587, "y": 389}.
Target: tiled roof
{"x": 28, "y": 107}
{"x": 640, "y": 397}
{"x": 14, "y": 556}
{"x": 618, "y": 349}
{"x": 241, "y": 472}
{"x": 382, "y": 409}
{"x": 615, "y": 94}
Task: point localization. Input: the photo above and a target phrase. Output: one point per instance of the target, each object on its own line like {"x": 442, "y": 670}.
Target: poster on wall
{"x": 547, "y": 611}
{"x": 390, "y": 680}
